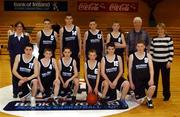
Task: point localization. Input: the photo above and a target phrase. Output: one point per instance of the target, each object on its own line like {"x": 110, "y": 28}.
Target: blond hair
{"x": 161, "y": 25}
{"x": 137, "y": 19}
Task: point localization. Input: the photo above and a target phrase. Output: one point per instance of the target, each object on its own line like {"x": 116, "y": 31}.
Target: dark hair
{"x": 110, "y": 44}
{"x": 21, "y": 23}
{"x": 91, "y": 51}
{"x": 115, "y": 22}
{"x": 48, "y": 49}
{"x": 68, "y": 14}
{"x": 140, "y": 41}
{"x": 67, "y": 47}
{"x": 30, "y": 45}
{"x": 11, "y": 25}
{"x": 92, "y": 20}
{"x": 46, "y": 19}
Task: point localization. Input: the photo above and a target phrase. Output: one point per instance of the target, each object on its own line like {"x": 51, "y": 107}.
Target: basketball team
{"x": 103, "y": 67}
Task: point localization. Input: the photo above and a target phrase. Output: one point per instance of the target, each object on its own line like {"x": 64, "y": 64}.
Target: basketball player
{"x": 93, "y": 39}
{"x": 118, "y": 39}
{"x": 46, "y": 39}
{"x": 68, "y": 74}
{"x": 111, "y": 71}
{"x": 25, "y": 69}
{"x": 141, "y": 73}
{"x": 49, "y": 75}
{"x": 92, "y": 75}
{"x": 70, "y": 36}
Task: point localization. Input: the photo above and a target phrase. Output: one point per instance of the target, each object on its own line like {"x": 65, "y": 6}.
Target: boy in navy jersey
{"x": 92, "y": 75}
{"x": 25, "y": 69}
{"x": 93, "y": 39}
{"x": 70, "y": 36}
{"x": 141, "y": 73}
{"x": 49, "y": 75}
{"x": 111, "y": 71}
{"x": 68, "y": 74}
{"x": 47, "y": 38}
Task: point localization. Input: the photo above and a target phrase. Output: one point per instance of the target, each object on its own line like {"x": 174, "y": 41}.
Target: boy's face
{"x": 28, "y": 50}
{"x": 92, "y": 55}
{"x": 68, "y": 20}
{"x": 115, "y": 26}
{"x": 47, "y": 24}
{"x": 19, "y": 28}
{"x": 48, "y": 54}
{"x": 140, "y": 47}
{"x": 92, "y": 25}
{"x": 111, "y": 50}
{"x": 160, "y": 31}
{"x": 67, "y": 53}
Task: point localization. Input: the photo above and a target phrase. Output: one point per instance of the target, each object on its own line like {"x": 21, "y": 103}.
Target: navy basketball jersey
{"x": 47, "y": 42}
{"x": 95, "y": 42}
{"x": 92, "y": 74}
{"x": 70, "y": 39}
{"x": 140, "y": 68}
{"x": 47, "y": 73}
{"x": 118, "y": 51}
{"x": 66, "y": 71}
{"x": 25, "y": 69}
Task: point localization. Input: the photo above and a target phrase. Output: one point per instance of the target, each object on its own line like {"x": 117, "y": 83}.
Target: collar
{"x": 15, "y": 35}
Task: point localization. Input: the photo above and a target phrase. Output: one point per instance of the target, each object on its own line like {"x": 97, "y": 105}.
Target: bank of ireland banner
{"x": 35, "y": 5}
{"x": 106, "y": 6}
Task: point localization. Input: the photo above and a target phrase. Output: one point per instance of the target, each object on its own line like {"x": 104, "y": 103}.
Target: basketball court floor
{"x": 161, "y": 109}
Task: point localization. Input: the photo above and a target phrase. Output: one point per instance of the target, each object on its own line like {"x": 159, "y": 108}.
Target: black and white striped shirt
{"x": 162, "y": 49}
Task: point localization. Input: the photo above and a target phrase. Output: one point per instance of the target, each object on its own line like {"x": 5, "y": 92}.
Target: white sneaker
{"x": 33, "y": 102}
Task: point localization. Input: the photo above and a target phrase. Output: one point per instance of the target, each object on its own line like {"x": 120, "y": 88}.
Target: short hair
{"x": 29, "y": 45}
{"x": 46, "y": 19}
{"x": 91, "y": 51}
{"x": 68, "y": 14}
{"x": 162, "y": 25}
{"x": 115, "y": 22}
{"x": 48, "y": 49}
{"x": 92, "y": 20}
{"x": 137, "y": 19}
{"x": 110, "y": 44}
{"x": 67, "y": 47}
{"x": 140, "y": 41}
{"x": 12, "y": 25}
{"x": 21, "y": 23}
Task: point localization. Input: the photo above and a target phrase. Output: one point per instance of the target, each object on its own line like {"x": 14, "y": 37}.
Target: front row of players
{"x": 101, "y": 78}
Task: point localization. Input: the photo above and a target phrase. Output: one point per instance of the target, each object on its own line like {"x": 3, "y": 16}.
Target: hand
{"x": 96, "y": 91}
{"x": 114, "y": 83}
{"x": 151, "y": 82}
{"x": 111, "y": 85}
{"x": 117, "y": 44}
{"x": 21, "y": 82}
{"x": 168, "y": 65}
{"x": 89, "y": 89}
{"x": 132, "y": 86}
{"x": 79, "y": 54}
{"x": 66, "y": 84}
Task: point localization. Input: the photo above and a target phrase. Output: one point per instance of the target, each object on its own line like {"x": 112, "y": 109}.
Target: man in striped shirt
{"x": 162, "y": 52}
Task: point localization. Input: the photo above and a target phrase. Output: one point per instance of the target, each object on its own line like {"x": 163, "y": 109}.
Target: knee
{"x": 153, "y": 87}
{"x": 35, "y": 82}
{"x": 126, "y": 84}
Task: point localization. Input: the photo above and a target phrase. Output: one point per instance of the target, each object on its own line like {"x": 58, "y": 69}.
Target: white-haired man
{"x": 134, "y": 35}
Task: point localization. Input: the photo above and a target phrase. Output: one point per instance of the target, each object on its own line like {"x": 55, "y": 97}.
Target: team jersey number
{"x": 31, "y": 65}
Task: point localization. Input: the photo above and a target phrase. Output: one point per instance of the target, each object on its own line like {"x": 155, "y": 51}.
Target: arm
{"x": 97, "y": 80}
{"x": 79, "y": 40}
{"x": 38, "y": 37}
{"x": 61, "y": 40}
{"x": 127, "y": 46}
{"x": 151, "y": 70}
{"x": 130, "y": 71}
{"x": 75, "y": 71}
{"x": 151, "y": 48}
{"x": 103, "y": 71}
{"x": 84, "y": 43}
{"x": 15, "y": 67}
{"x": 87, "y": 81}
{"x": 39, "y": 79}
{"x": 56, "y": 68}
{"x": 60, "y": 68}
{"x": 171, "y": 53}
{"x": 103, "y": 44}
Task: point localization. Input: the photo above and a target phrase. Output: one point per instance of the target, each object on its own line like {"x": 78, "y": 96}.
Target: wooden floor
{"x": 162, "y": 109}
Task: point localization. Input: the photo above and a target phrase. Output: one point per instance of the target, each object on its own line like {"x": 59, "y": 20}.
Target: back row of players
{"x": 57, "y": 78}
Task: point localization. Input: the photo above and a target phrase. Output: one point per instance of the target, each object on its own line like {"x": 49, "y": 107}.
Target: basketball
{"x": 91, "y": 99}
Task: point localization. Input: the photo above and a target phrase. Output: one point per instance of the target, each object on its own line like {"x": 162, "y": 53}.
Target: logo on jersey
{"x": 50, "y": 66}
{"x": 116, "y": 63}
{"x": 146, "y": 60}
{"x": 119, "y": 39}
{"x": 70, "y": 68}
{"x": 74, "y": 33}
{"x": 99, "y": 36}
{"x": 31, "y": 65}
{"x": 52, "y": 37}
{"x": 95, "y": 71}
